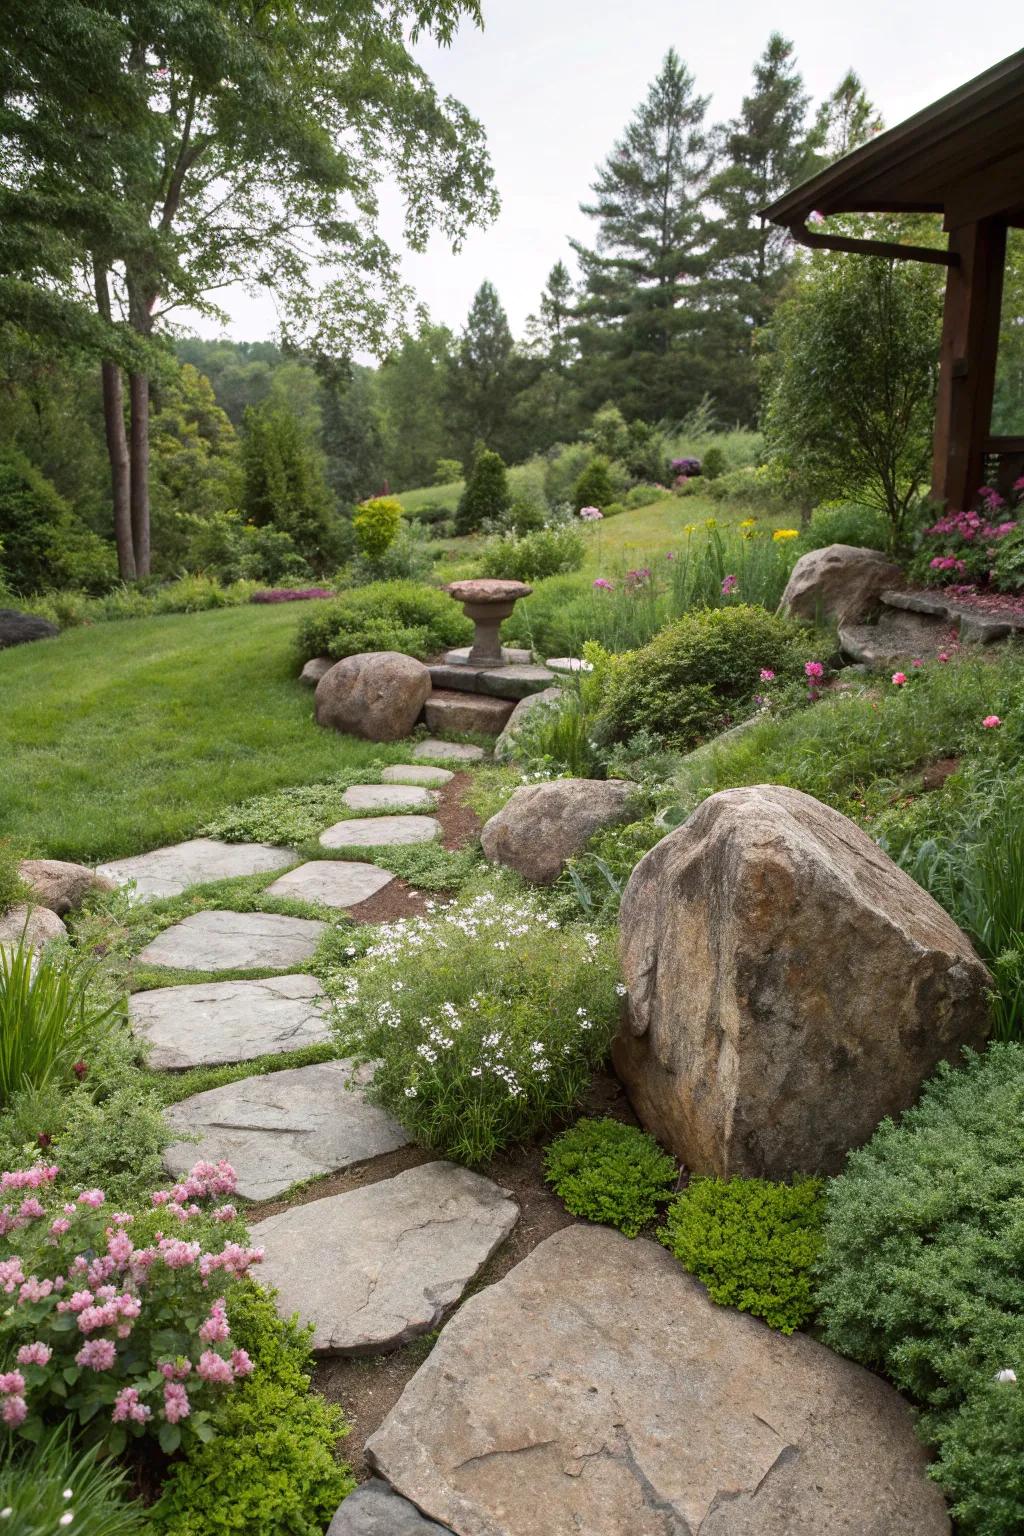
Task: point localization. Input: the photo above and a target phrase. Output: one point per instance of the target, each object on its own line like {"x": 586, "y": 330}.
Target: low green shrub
{"x": 272, "y": 1463}
{"x": 12, "y": 887}
{"x": 50, "y": 1018}
{"x": 920, "y": 1275}
{"x": 487, "y": 1019}
{"x": 384, "y": 616}
{"x": 696, "y": 673}
{"x": 42, "y": 1484}
{"x": 754, "y": 1244}
{"x": 847, "y": 522}
{"x": 760, "y": 488}
{"x": 594, "y": 488}
{"x": 486, "y": 498}
{"x": 713, "y": 463}
{"x": 610, "y": 1173}
{"x": 375, "y": 524}
{"x": 645, "y": 496}
{"x": 534, "y": 556}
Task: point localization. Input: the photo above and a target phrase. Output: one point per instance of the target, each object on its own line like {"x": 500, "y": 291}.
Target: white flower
{"x": 68, "y": 1493}
{"x": 5, "y": 1514}
{"x": 476, "y": 1071}
{"x": 67, "y": 1517}
{"x": 410, "y": 1093}
{"x": 1006, "y": 1375}
{"x": 351, "y": 950}
{"x": 620, "y": 990}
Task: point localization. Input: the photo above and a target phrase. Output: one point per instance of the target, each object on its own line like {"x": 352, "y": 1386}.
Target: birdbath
{"x": 487, "y": 602}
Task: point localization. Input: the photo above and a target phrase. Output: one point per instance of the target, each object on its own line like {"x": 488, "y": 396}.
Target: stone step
{"x": 212, "y": 1023}
{"x": 899, "y": 637}
{"x": 377, "y": 1266}
{"x": 417, "y": 773}
{"x": 388, "y": 797}
{"x": 169, "y": 871}
{"x": 234, "y": 941}
{"x": 975, "y": 624}
{"x": 467, "y": 713}
{"x": 281, "y": 1127}
{"x": 515, "y": 682}
{"x": 381, "y": 832}
{"x": 448, "y": 751}
{"x": 332, "y": 882}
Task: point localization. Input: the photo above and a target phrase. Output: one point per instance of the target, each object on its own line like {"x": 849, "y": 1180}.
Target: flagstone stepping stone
{"x": 332, "y": 882}
{"x": 169, "y": 871}
{"x": 448, "y": 751}
{"x": 381, "y": 832}
{"x": 213, "y": 1022}
{"x": 569, "y": 664}
{"x": 387, "y": 797}
{"x": 416, "y": 773}
{"x": 377, "y": 1266}
{"x": 463, "y": 713}
{"x": 597, "y": 1389}
{"x": 374, "y": 1509}
{"x": 234, "y": 941}
{"x": 281, "y": 1127}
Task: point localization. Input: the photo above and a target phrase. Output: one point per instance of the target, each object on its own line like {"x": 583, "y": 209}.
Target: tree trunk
{"x": 139, "y": 394}
{"x": 117, "y": 444}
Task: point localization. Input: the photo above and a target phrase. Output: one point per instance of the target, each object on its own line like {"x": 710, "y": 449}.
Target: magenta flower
{"x": 127, "y": 1405}
{"x": 215, "y": 1329}
{"x": 240, "y": 1362}
{"x": 899, "y": 678}
{"x": 214, "y": 1368}
{"x": 604, "y": 586}
{"x": 767, "y": 675}
{"x": 14, "y": 1411}
{"x": 12, "y": 1381}
{"x": 34, "y": 1354}
{"x": 943, "y": 656}
{"x": 814, "y": 670}
{"x": 917, "y": 662}
{"x": 176, "y": 1403}
{"x": 97, "y": 1354}
{"x": 729, "y": 585}
{"x": 991, "y": 721}
{"x": 92, "y": 1197}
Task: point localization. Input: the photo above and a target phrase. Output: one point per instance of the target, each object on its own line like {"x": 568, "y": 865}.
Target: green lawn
{"x": 118, "y": 738}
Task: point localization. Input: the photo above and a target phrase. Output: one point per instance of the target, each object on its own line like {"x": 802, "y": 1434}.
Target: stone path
{"x": 234, "y": 941}
{"x": 278, "y": 1129}
{"x": 219, "y": 1021}
{"x": 169, "y": 871}
{"x": 448, "y": 751}
{"x": 387, "y": 797}
{"x": 332, "y": 882}
{"x": 381, "y": 832}
{"x": 416, "y": 773}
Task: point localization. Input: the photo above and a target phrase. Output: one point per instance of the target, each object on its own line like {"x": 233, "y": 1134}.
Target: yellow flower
{"x": 748, "y": 522}
{"x": 711, "y": 522}
{"x": 786, "y": 533}
{"x": 690, "y": 528}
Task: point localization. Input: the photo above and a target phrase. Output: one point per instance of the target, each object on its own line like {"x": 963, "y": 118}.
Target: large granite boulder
{"x": 19, "y": 628}
{"x": 840, "y": 582}
{"x": 788, "y": 986}
{"x": 505, "y": 746}
{"x": 314, "y": 670}
{"x": 60, "y": 886}
{"x": 377, "y": 694}
{"x": 38, "y": 926}
{"x": 543, "y": 825}
{"x": 597, "y": 1391}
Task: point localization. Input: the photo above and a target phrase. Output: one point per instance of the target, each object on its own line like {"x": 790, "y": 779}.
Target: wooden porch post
{"x": 967, "y": 360}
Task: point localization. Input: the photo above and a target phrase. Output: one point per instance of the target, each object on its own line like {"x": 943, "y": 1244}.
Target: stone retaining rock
{"x": 788, "y": 986}
{"x": 840, "y": 582}
{"x": 314, "y": 670}
{"x": 505, "y": 746}
{"x": 19, "y": 628}
{"x": 37, "y": 925}
{"x": 374, "y": 1509}
{"x": 543, "y": 825}
{"x": 210, "y": 1023}
{"x": 467, "y": 713}
{"x": 377, "y": 1266}
{"x": 377, "y": 695}
{"x": 597, "y": 1391}
{"x": 281, "y": 1127}
{"x": 58, "y": 885}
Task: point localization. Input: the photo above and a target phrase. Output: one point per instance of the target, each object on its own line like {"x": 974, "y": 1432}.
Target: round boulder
{"x": 19, "y": 628}
{"x": 543, "y": 825}
{"x": 38, "y": 926}
{"x": 505, "y": 746}
{"x": 788, "y": 986}
{"x": 60, "y": 886}
{"x": 841, "y": 582}
{"x": 314, "y": 670}
{"x": 377, "y": 695}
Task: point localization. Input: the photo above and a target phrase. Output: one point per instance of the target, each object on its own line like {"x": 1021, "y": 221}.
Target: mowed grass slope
{"x": 121, "y": 737}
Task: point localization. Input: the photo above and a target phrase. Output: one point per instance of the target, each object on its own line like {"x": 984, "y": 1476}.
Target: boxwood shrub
{"x": 609, "y": 1172}
{"x": 384, "y": 616}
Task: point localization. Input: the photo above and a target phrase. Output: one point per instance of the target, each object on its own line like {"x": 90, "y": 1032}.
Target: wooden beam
{"x": 967, "y": 360}
{"x": 986, "y": 191}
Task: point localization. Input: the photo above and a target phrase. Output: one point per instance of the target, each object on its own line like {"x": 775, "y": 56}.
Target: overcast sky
{"x": 554, "y": 82}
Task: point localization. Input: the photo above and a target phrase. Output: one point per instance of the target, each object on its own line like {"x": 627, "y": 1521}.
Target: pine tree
{"x": 482, "y": 381}
{"x": 549, "y": 332}
{"x": 412, "y": 390}
{"x": 638, "y": 313}
{"x": 845, "y": 120}
{"x": 547, "y": 408}
{"x": 762, "y": 152}
{"x": 284, "y": 483}
{"x": 350, "y": 432}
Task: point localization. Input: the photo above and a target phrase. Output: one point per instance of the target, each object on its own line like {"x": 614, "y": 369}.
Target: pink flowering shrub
{"x": 977, "y": 547}
{"x": 115, "y": 1322}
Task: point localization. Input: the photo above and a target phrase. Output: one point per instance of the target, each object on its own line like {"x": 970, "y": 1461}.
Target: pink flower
{"x": 591, "y": 514}
{"x": 917, "y": 662}
{"x": 943, "y": 656}
{"x": 120, "y": 1248}
{"x": 176, "y": 1404}
{"x": 215, "y": 1329}
{"x": 729, "y": 585}
{"x": 12, "y": 1381}
{"x": 991, "y": 721}
{"x": 10, "y": 1274}
{"x": 1018, "y": 485}
{"x": 767, "y": 675}
{"x": 214, "y": 1368}
{"x": 814, "y": 670}
{"x": 175, "y": 1370}
{"x": 29, "y": 1178}
{"x": 35, "y": 1289}
{"x": 30, "y": 1209}
{"x": 60, "y": 1226}
{"x": 224, "y": 1212}
{"x": 128, "y": 1406}
{"x": 240, "y": 1362}
{"x": 899, "y": 678}
{"x": 34, "y": 1354}
{"x": 92, "y": 1197}
{"x": 97, "y": 1354}
{"x": 14, "y": 1411}
{"x": 604, "y": 586}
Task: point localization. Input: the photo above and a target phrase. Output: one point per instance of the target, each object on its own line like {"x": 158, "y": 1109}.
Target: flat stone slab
{"x": 169, "y": 871}
{"x": 446, "y": 710}
{"x": 512, "y": 655}
{"x": 448, "y": 751}
{"x": 597, "y": 1391}
{"x": 281, "y": 1127}
{"x": 377, "y": 1266}
{"x": 517, "y": 681}
{"x": 387, "y": 797}
{"x": 416, "y": 773}
{"x": 213, "y": 1022}
{"x": 374, "y": 1509}
{"x": 569, "y": 664}
{"x": 332, "y": 882}
{"x": 234, "y": 941}
{"x": 381, "y": 832}
{"x": 899, "y": 636}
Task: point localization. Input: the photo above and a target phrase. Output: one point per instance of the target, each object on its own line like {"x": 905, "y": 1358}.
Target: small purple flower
{"x": 604, "y": 586}
{"x": 729, "y": 585}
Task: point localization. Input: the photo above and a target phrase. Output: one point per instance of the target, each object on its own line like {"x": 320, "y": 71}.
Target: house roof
{"x": 962, "y": 156}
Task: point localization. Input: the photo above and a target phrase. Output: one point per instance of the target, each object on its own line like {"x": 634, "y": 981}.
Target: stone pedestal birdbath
{"x": 487, "y": 602}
